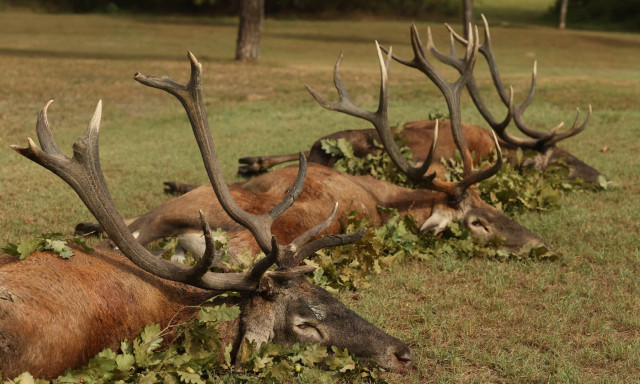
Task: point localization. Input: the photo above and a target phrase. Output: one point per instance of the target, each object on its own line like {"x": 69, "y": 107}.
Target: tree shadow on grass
{"x": 134, "y": 56}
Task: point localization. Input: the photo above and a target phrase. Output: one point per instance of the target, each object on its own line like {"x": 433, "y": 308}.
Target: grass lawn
{"x": 573, "y": 320}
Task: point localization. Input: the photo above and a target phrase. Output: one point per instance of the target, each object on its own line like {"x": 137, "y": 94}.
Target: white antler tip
{"x": 194, "y": 60}
{"x": 94, "y": 124}
{"x": 43, "y": 112}
{"x": 32, "y": 145}
{"x": 435, "y": 132}
{"x": 495, "y": 140}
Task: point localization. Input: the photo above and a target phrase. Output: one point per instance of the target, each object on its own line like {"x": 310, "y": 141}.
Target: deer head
{"x": 462, "y": 199}
{"x": 278, "y": 305}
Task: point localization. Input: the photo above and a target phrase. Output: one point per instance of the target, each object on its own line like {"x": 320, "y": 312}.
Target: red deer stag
{"x": 434, "y": 209}
{"x": 57, "y": 313}
{"x": 540, "y": 147}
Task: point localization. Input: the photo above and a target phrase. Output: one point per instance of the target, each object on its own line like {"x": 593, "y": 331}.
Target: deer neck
{"x": 417, "y": 202}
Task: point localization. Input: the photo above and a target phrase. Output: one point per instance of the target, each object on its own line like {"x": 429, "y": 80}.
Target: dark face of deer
{"x": 577, "y": 168}
{"x": 484, "y": 221}
{"x": 287, "y": 311}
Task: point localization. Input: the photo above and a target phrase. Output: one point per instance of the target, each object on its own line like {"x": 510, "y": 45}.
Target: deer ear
{"x": 258, "y": 325}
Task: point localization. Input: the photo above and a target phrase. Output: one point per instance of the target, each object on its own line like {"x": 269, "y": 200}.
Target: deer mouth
{"x": 404, "y": 361}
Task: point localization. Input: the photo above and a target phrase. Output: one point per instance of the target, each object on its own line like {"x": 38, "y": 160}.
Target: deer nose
{"x": 404, "y": 358}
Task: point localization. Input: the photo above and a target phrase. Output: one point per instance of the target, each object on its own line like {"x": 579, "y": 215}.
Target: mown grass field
{"x": 573, "y": 320}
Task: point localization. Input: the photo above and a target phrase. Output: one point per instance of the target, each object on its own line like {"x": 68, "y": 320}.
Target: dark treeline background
{"x": 601, "y": 14}
{"x": 284, "y": 8}
{"x": 612, "y": 14}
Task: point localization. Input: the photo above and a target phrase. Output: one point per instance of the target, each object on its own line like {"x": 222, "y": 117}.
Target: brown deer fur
{"x": 419, "y": 135}
{"x": 179, "y": 216}
{"x": 57, "y": 314}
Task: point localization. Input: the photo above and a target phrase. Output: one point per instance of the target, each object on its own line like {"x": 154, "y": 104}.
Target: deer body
{"x": 56, "y": 313}
{"x": 419, "y": 135}
{"x": 179, "y": 216}
{"x": 94, "y": 301}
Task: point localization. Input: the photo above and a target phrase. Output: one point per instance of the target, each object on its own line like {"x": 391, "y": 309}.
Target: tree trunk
{"x": 564, "y": 4}
{"x": 467, "y": 15}
{"x": 250, "y": 30}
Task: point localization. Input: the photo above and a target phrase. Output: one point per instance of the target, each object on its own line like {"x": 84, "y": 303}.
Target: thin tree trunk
{"x": 564, "y": 4}
{"x": 467, "y": 15}
{"x": 250, "y": 30}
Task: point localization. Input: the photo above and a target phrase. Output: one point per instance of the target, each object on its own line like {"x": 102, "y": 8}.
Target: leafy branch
{"x": 54, "y": 242}
{"x": 396, "y": 241}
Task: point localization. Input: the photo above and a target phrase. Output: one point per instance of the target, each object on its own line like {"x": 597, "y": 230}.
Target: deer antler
{"x": 83, "y": 173}
{"x": 190, "y": 95}
{"x": 536, "y": 140}
{"x": 451, "y": 92}
{"x": 379, "y": 119}
{"x": 540, "y": 139}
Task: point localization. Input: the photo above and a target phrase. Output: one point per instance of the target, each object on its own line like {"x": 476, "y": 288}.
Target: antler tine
{"x": 487, "y": 51}
{"x": 328, "y": 242}
{"x": 574, "y": 130}
{"x": 518, "y": 110}
{"x": 190, "y": 95}
{"x": 541, "y": 139}
{"x": 472, "y": 87}
{"x": 477, "y": 176}
{"x": 313, "y": 232}
{"x": 302, "y": 246}
{"x": 83, "y": 173}
{"x": 210, "y": 256}
{"x": 500, "y": 129}
{"x": 379, "y": 119}
{"x": 450, "y": 91}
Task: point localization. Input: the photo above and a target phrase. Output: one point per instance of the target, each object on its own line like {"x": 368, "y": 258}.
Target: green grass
{"x": 467, "y": 321}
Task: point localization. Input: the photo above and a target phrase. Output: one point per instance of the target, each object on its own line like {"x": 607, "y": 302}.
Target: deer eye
{"x": 307, "y": 326}
{"x": 310, "y": 331}
{"x": 479, "y": 224}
